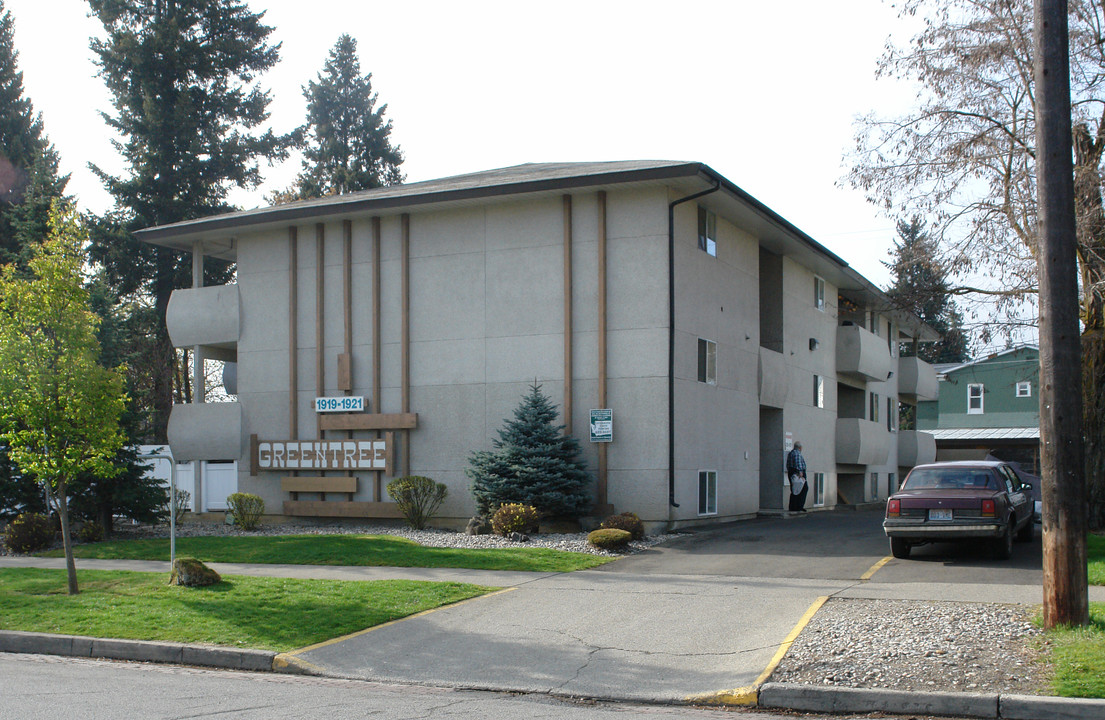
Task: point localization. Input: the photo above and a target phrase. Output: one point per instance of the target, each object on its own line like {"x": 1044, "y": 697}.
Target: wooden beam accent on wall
{"x": 346, "y": 383}
{"x": 405, "y": 462}
{"x": 369, "y": 421}
{"x": 602, "y": 495}
{"x": 293, "y": 333}
{"x": 376, "y": 334}
{"x": 320, "y": 308}
{"x": 567, "y": 315}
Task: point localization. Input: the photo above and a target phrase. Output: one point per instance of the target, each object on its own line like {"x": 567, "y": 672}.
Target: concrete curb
{"x": 813, "y": 698}
{"x": 15, "y": 641}
{"x": 776, "y": 696}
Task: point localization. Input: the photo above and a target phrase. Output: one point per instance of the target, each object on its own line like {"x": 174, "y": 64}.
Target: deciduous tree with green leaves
{"x": 346, "y": 141}
{"x": 59, "y": 408}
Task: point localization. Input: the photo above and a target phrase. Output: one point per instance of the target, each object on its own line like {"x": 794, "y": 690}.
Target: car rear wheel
{"x": 1003, "y": 546}
{"x": 899, "y": 548}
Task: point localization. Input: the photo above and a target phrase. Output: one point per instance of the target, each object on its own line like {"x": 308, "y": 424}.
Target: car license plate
{"x": 940, "y": 514}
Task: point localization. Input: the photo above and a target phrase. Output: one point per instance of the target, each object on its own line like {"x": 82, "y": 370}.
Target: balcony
{"x": 207, "y": 316}
{"x": 206, "y": 431}
{"x": 861, "y": 354}
{"x": 773, "y": 378}
{"x": 861, "y": 442}
{"x": 915, "y": 448}
{"x": 916, "y": 380}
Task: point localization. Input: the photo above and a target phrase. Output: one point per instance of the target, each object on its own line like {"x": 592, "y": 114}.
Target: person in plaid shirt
{"x": 796, "y": 471}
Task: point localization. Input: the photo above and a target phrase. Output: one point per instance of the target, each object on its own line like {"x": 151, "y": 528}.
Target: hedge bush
{"x": 626, "y": 521}
{"x": 29, "y": 533}
{"x": 610, "y": 538}
{"x": 246, "y": 509}
{"x": 417, "y": 497}
{"x": 515, "y": 517}
{"x": 91, "y": 532}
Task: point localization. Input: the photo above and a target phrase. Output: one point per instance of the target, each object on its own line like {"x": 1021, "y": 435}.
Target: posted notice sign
{"x": 602, "y": 425}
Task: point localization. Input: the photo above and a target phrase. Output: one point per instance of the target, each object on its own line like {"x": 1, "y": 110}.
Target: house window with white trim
{"x": 707, "y": 231}
{"x": 707, "y": 492}
{"x": 974, "y": 398}
{"x": 818, "y": 489}
{"x": 818, "y": 391}
{"x": 819, "y": 293}
{"x": 1024, "y": 389}
{"x": 707, "y": 361}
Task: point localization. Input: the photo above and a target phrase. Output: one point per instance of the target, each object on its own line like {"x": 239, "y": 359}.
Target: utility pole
{"x": 1066, "y": 600}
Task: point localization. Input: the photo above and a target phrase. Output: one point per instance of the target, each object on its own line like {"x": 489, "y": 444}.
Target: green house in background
{"x": 987, "y": 406}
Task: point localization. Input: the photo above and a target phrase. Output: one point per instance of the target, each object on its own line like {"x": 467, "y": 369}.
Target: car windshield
{"x": 950, "y": 479}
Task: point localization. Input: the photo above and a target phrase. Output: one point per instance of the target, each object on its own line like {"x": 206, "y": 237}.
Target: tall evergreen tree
{"x": 533, "y": 463}
{"x": 920, "y": 286}
{"x": 346, "y": 141}
{"x": 182, "y": 74}
{"x": 29, "y": 178}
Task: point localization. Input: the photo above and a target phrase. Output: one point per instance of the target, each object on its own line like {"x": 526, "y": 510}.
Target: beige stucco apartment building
{"x": 714, "y": 331}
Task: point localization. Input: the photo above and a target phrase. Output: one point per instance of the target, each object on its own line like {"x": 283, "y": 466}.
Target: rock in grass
{"x": 190, "y": 572}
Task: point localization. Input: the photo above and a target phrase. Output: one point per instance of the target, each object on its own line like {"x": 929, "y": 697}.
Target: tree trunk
{"x": 66, "y": 537}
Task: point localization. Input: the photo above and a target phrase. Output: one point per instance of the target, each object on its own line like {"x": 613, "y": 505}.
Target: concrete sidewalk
{"x": 701, "y": 620}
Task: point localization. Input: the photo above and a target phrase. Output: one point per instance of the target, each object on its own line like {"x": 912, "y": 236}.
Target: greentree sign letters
{"x": 280, "y": 455}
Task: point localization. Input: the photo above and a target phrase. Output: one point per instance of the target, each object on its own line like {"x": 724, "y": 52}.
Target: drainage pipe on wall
{"x": 671, "y": 335}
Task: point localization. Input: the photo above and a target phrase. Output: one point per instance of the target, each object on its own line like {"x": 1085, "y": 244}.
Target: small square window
{"x": 819, "y": 293}
{"x": 818, "y": 489}
{"x": 1024, "y": 389}
{"x": 707, "y": 492}
{"x": 707, "y": 231}
{"x": 818, "y": 391}
{"x": 974, "y": 398}
{"x": 707, "y": 361}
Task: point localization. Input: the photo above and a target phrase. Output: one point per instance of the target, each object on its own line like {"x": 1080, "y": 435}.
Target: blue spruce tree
{"x": 532, "y": 463}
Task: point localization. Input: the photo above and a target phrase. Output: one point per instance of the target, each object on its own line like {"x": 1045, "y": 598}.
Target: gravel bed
{"x": 911, "y": 645}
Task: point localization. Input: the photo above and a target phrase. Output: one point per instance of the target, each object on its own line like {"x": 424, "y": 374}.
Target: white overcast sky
{"x": 763, "y": 92}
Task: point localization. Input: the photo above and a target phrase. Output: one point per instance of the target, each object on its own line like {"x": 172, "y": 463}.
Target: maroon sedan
{"x": 952, "y": 501}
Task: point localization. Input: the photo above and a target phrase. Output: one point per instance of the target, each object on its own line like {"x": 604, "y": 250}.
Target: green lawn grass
{"x": 247, "y": 612}
{"x": 1078, "y": 657}
{"x": 1095, "y": 554}
{"x": 371, "y": 550}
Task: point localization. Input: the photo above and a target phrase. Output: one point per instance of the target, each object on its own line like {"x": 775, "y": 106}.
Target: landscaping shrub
{"x": 28, "y": 533}
{"x": 190, "y": 572}
{"x": 418, "y": 498}
{"x": 515, "y": 517}
{"x": 610, "y": 538}
{"x": 91, "y": 532}
{"x": 180, "y": 506}
{"x": 246, "y": 509}
{"x": 626, "y": 521}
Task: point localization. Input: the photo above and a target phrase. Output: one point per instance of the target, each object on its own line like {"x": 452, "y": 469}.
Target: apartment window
{"x": 874, "y": 324}
{"x": 707, "y": 492}
{"x": 819, "y": 293}
{"x": 890, "y": 337}
{"x": 891, "y": 484}
{"x": 707, "y": 361}
{"x": 891, "y": 416}
{"x": 818, "y": 391}
{"x": 874, "y": 417}
{"x": 818, "y": 489}
{"x": 707, "y": 231}
{"x": 974, "y": 398}
{"x": 874, "y": 486}
{"x": 1024, "y": 389}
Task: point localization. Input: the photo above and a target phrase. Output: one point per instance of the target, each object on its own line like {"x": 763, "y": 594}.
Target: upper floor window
{"x": 818, "y": 391}
{"x": 819, "y": 293}
{"x": 707, "y": 231}
{"x": 874, "y": 407}
{"x": 1024, "y": 389}
{"x": 707, "y": 361}
{"x": 974, "y": 398}
{"x": 890, "y": 338}
{"x": 891, "y": 416}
